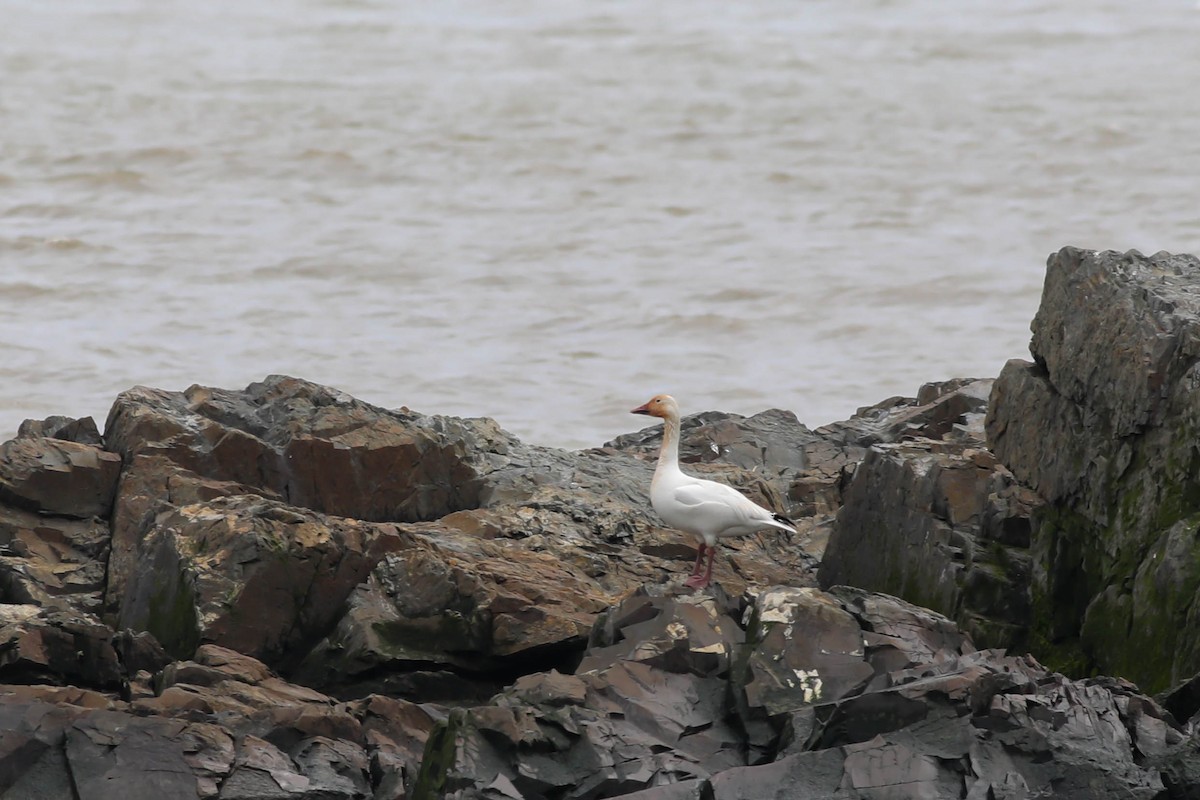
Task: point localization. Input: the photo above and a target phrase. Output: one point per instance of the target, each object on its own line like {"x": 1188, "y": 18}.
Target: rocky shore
{"x": 284, "y": 592}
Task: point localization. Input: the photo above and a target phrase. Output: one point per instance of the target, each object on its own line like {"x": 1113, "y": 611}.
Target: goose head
{"x": 661, "y": 405}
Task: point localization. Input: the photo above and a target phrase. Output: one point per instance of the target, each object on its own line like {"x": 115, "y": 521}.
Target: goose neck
{"x": 668, "y": 456}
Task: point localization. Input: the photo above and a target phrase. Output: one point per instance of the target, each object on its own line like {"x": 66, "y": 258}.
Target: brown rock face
{"x": 81, "y": 430}
{"x": 249, "y": 574}
{"x": 53, "y": 476}
{"x": 152, "y": 485}
{"x": 312, "y": 446}
{"x": 941, "y": 525}
{"x": 448, "y": 601}
{"x": 222, "y": 725}
{"x": 54, "y": 562}
{"x": 224, "y": 528}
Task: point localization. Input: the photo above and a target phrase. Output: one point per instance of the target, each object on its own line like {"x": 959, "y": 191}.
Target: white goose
{"x": 705, "y": 509}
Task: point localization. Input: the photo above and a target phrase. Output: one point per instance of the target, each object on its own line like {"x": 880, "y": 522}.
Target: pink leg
{"x": 699, "y": 559}
{"x": 698, "y": 581}
{"x": 712, "y": 551}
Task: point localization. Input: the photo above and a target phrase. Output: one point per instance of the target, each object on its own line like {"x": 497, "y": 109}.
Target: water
{"x": 547, "y": 211}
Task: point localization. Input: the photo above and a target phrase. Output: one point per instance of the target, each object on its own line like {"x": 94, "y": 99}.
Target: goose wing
{"x": 722, "y": 510}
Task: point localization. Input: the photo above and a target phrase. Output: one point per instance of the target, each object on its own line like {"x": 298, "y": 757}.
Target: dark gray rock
{"x": 82, "y": 430}
{"x": 943, "y": 525}
{"x": 847, "y": 694}
{"x": 359, "y": 550}
{"x": 600, "y": 734}
{"x": 1104, "y": 425}
{"x": 685, "y": 633}
{"x": 445, "y": 600}
{"x": 42, "y": 646}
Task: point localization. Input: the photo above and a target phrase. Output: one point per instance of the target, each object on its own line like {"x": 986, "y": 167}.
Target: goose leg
{"x": 712, "y": 552}
{"x": 698, "y": 581}
{"x": 699, "y": 559}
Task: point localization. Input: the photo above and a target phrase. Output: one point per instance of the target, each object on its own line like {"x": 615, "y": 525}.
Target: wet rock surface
{"x": 283, "y": 592}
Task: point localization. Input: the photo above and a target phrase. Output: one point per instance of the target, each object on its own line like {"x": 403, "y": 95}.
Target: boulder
{"x": 82, "y": 430}
{"x": 445, "y": 600}
{"x": 151, "y": 486}
{"x": 223, "y": 725}
{"x": 54, "y": 476}
{"x": 318, "y": 448}
{"x": 1104, "y": 425}
{"x": 361, "y": 603}
{"x": 943, "y": 525}
{"x": 601, "y": 734}
{"x": 695, "y": 633}
{"x": 313, "y": 447}
{"x": 531, "y": 543}
{"x": 43, "y": 646}
{"x": 251, "y": 574}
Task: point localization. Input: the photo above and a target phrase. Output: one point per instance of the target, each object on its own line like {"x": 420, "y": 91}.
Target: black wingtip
{"x": 783, "y": 519}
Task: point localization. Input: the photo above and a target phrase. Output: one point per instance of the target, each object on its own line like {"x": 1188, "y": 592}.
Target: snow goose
{"x": 706, "y": 509}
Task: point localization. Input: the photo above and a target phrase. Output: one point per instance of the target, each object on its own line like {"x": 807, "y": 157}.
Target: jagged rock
{"x": 150, "y": 486}
{"x": 647, "y": 706}
{"x": 851, "y": 694}
{"x": 310, "y": 446}
{"x": 601, "y": 734}
{"x": 1104, "y": 425}
{"x": 54, "y": 476}
{"x": 319, "y": 448}
{"x": 806, "y": 649}
{"x": 61, "y": 695}
{"x": 686, "y": 633}
{"x": 943, "y": 525}
{"x": 56, "y": 647}
{"x": 223, "y": 725}
{"x": 447, "y": 600}
{"x": 139, "y": 652}
{"x": 947, "y": 410}
{"x": 32, "y": 762}
{"x": 54, "y": 562}
{"x": 68, "y": 751}
{"x": 251, "y": 574}
{"x": 82, "y": 430}
{"x": 803, "y": 648}
{"x": 1028, "y": 734}
{"x": 539, "y": 539}
{"x": 395, "y": 732}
